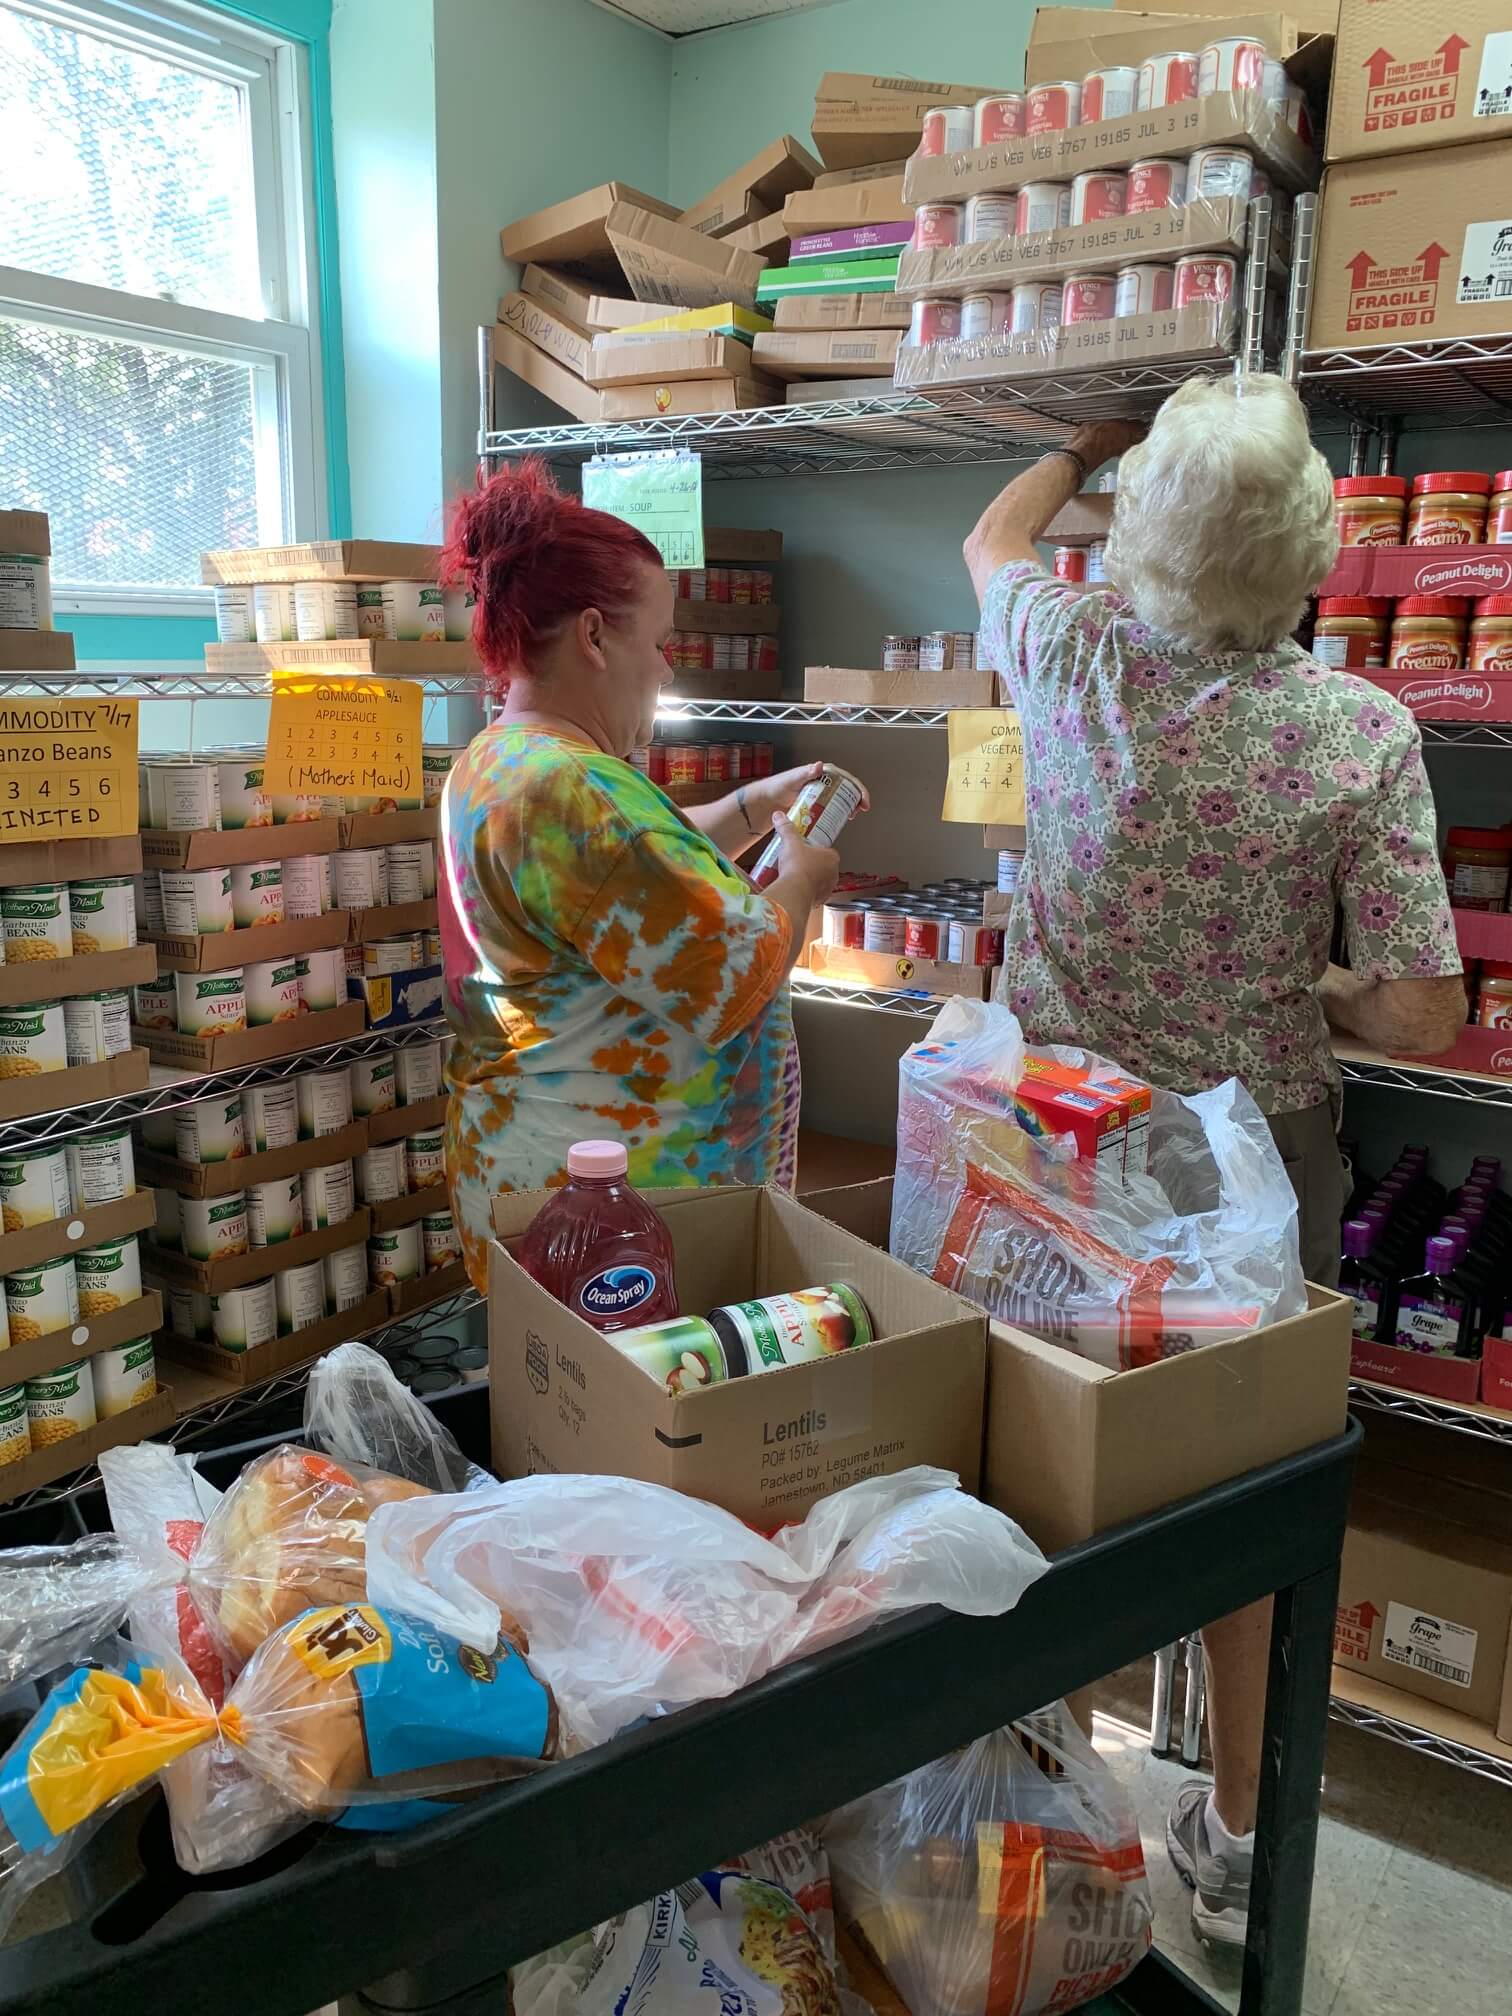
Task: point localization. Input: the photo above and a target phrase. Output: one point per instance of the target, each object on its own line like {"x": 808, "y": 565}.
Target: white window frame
{"x": 283, "y": 348}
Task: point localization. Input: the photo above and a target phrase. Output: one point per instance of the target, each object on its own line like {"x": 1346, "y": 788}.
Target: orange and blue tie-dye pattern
{"x": 608, "y": 974}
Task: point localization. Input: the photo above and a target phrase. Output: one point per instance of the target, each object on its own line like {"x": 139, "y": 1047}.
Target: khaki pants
{"x": 1309, "y": 1146}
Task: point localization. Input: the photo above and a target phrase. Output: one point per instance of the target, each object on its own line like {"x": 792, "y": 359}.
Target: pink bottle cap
{"x": 597, "y": 1158}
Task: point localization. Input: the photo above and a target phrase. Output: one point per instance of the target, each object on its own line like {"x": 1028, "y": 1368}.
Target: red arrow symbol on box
{"x": 1360, "y": 268}
{"x": 1367, "y": 1613}
{"x": 1451, "y": 52}
{"x": 1378, "y": 63}
{"x": 1431, "y": 259}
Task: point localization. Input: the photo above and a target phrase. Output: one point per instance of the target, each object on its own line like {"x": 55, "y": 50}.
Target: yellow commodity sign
{"x": 984, "y": 784}
{"x": 360, "y": 736}
{"x": 67, "y": 769}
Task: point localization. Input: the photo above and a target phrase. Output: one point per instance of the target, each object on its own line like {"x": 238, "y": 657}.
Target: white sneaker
{"x": 1220, "y": 1884}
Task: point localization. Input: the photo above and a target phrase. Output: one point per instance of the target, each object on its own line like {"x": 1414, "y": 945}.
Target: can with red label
{"x": 934, "y": 321}
{"x": 990, "y": 217}
{"x": 1036, "y": 308}
{"x": 738, "y": 656}
{"x": 1069, "y": 563}
{"x": 656, "y": 762}
{"x": 999, "y": 117}
{"x": 763, "y": 759}
{"x": 924, "y": 933}
{"x": 947, "y": 130}
{"x": 686, "y": 763}
{"x": 697, "y": 650}
{"x": 973, "y": 944}
{"x": 937, "y": 225}
{"x": 765, "y": 658}
{"x": 1205, "y": 276}
{"x": 1156, "y": 184}
{"x": 987, "y": 315}
{"x": 722, "y": 646}
{"x": 717, "y": 764}
{"x": 761, "y": 585}
{"x": 1096, "y": 194}
{"x": 1053, "y": 108}
{"x": 844, "y": 924}
{"x": 1042, "y": 206}
{"x": 1143, "y": 290}
{"x": 1088, "y": 297}
{"x": 740, "y": 584}
{"x": 719, "y": 584}
{"x": 693, "y": 584}
{"x": 1233, "y": 63}
{"x": 1108, "y": 94}
{"x": 1166, "y": 79}
{"x": 819, "y": 813}
{"x": 1218, "y": 172}
{"x": 885, "y": 928}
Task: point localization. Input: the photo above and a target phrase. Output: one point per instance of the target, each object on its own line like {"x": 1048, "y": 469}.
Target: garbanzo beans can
{"x": 15, "y": 1430}
{"x": 102, "y": 915}
{"x": 60, "y": 1404}
{"x": 124, "y": 1378}
{"x": 36, "y": 922}
{"x": 42, "y": 1299}
{"x": 109, "y": 1275}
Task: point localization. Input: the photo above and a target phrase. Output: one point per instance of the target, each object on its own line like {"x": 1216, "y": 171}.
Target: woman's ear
{"x": 590, "y": 633}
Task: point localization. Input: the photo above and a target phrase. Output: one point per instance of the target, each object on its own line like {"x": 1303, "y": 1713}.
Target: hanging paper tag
{"x": 659, "y": 494}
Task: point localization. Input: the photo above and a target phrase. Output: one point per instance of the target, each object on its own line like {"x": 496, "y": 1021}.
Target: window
{"x": 158, "y": 366}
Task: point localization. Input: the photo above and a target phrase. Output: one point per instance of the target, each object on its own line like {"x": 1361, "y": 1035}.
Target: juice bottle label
{"x": 1367, "y": 1314}
{"x": 1428, "y": 1326}
{"x": 615, "y": 1293}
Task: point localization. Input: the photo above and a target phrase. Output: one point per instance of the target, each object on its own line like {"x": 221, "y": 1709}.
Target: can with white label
{"x": 257, "y": 896}
{"x": 380, "y": 1172}
{"x": 244, "y": 802}
{"x": 275, "y": 1211}
{"x": 986, "y": 315}
{"x": 102, "y": 915}
{"x": 299, "y": 1297}
{"x": 154, "y": 1004}
{"x": 234, "y": 622}
{"x": 60, "y": 1404}
{"x": 411, "y": 871}
{"x": 32, "y": 1040}
{"x": 411, "y": 612}
{"x": 124, "y": 1378}
{"x": 399, "y": 954}
{"x": 34, "y": 917}
{"x": 440, "y": 1241}
{"x": 417, "y": 1069}
{"x": 197, "y": 901}
{"x": 272, "y": 991}
{"x": 147, "y": 897}
{"x": 990, "y": 217}
{"x": 1167, "y": 79}
{"x": 210, "y": 1130}
{"x": 243, "y": 1318}
{"x": 97, "y": 1027}
{"x": 42, "y": 1299}
{"x": 101, "y": 1168}
{"x": 1042, "y": 207}
{"x": 325, "y": 611}
{"x": 25, "y": 591}
{"x": 273, "y": 615}
{"x": 395, "y": 1256}
{"x": 270, "y": 1116}
{"x": 436, "y": 763}
{"x": 168, "y": 1227}
{"x": 1143, "y": 290}
{"x": 322, "y": 979}
{"x": 373, "y": 1085}
{"x": 1036, "y": 308}
{"x": 424, "y": 1159}
{"x": 35, "y": 1188}
{"x": 323, "y": 1101}
{"x": 359, "y": 876}
{"x": 329, "y": 1195}
{"x": 189, "y": 1314}
{"x": 210, "y": 1003}
{"x": 306, "y": 886}
{"x": 458, "y": 604}
{"x": 184, "y": 797}
{"x": 346, "y": 1278}
{"x": 1108, "y": 94}
{"x": 109, "y": 1275}
{"x": 15, "y": 1431}
{"x": 214, "y": 1228}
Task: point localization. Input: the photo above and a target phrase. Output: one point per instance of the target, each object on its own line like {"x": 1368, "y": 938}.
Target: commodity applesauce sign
{"x": 332, "y": 735}
{"x": 67, "y": 769}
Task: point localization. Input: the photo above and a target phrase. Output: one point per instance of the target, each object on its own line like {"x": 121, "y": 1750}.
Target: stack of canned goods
{"x": 1087, "y": 563}
{"x": 941, "y": 921}
{"x": 720, "y": 651}
{"x": 74, "y": 1397}
{"x": 932, "y": 651}
{"x": 318, "y": 612}
{"x": 672, "y": 764}
{"x": 223, "y": 791}
{"x": 432, "y": 1365}
{"x": 722, "y": 584}
{"x": 49, "y": 921}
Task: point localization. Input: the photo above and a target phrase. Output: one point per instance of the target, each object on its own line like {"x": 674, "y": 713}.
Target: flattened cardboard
{"x": 25, "y": 532}
{"x": 385, "y": 829}
{"x": 574, "y": 232}
{"x": 665, "y": 261}
{"x": 248, "y": 843}
{"x": 30, "y": 1359}
{"x": 688, "y": 395}
{"x": 416, "y": 1118}
{"x": 1205, "y": 329}
{"x": 768, "y": 236}
{"x": 752, "y": 192}
{"x": 84, "y": 973}
{"x": 80, "y": 1085}
{"x": 578, "y": 300}
{"x": 568, "y": 342}
{"x": 407, "y": 1297}
{"x": 214, "y": 1277}
{"x": 208, "y": 951}
{"x": 392, "y": 1212}
{"x": 324, "y": 560}
{"x": 841, "y": 686}
{"x": 392, "y": 920}
{"x": 1318, "y": 17}
{"x": 385, "y": 657}
{"x": 1229, "y": 118}
{"x": 224, "y": 1052}
{"x": 1409, "y": 75}
{"x": 1400, "y": 238}
{"x": 729, "y": 546}
{"x": 75, "y": 1232}
{"x": 563, "y": 387}
{"x": 1087, "y": 38}
{"x": 36, "y": 651}
{"x": 833, "y": 1161}
{"x": 221, "y": 1179}
{"x": 726, "y": 686}
{"x": 823, "y": 391}
{"x": 841, "y": 311}
{"x": 705, "y": 354}
{"x": 69, "y": 860}
{"x": 727, "y": 619}
{"x": 996, "y": 265}
{"x": 46, "y": 1466}
{"x": 894, "y": 969}
{"x": 564, "y": 1398}
{"x": 840, "y": 206}
{"x": 248, "y": 1368}
{"x": 828, "y": 353}
{"x": 858, "y": 119}
{"x": 867, "y": 171}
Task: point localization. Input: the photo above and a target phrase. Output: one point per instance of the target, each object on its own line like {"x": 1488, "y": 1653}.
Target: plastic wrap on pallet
{"x": 1199, "y": 330}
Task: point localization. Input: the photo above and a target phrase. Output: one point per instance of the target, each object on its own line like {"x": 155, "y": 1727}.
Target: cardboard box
{"x": 725, "y": 318}
{"x": 384, "y": 657}
{"x": 91, "y": 1334}
{"x": 573, "y": 233}
{"x": 409, "y": 1209}
{"x": 1211, "y": 224}
{"x": 249, "y": 1368}
{"x": 561, "y": 386}
{"x": 1205, "y": 329}
{"x": 385, "y": 829}
{"x": 74, "y": 1232}
{"x": 1073, "y": 1448}
{"x": 412, "y": 1119}
{"x": 726, "y": 686}
{"x": 841, "y": 206}
{"x": 396, "y": 1000}
{"x": 622, "y": 236}
{"x": 233, "y": 1047}
{"x": 730, "y": 619}
{"x": 235, "y": 1270}
{"x": 669, "y": 358}
{"x": 406, "y": 1298}
{"x": 767, "y": 1448}
{"x": 1088, "y": 516}
{"x": 1412, "y": 247}
{"x": 1425, "y": 1591}
{"x": 997, "y": 909}
{"x": 841, "y": 311}
{"x": 27, "y": 532}
{"x": 25, "y": 861}
{"x": 1318, "y": 17}
{"x": 689, "y": 395}
{"x": 839, "y": 965}
{"x": 1070, "y": 41}
{"x": 1408, "y": 75}
{"x": 545, "y": 325}
{"x": 325, "y": 560}
{"x": 867, "y": 171}
{"x": 85, "y": 973}
{"x": 860, "y": 119}
{"x": 46, "y": 1466}
{"x": 826, "y": 391}
{"x": 392, "y": 920}
{"x": 753, "y": 192}
{"x": 826, "y": 353}
{"x": 1402, "y": 1371}
{"x": 578, "y": 301}
{"x": 1397, "y": 571}
{"x": 79, "y": 1085}
{"x": 36, "y": 651}
{"x": 840, "y": 686}
{"x": 1226, "y": 119}
{"x": 220, "y": 1179}
{"x": 208, "y": 951}
{"x": 248, "y": 843}
{"x": 834, "y": 1161}
{"x": 730, "y": 546}
{"x": 768, "y": 236}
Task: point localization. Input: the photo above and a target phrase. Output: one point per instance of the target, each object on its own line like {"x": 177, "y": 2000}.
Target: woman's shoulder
{"x": 594, "y": 792}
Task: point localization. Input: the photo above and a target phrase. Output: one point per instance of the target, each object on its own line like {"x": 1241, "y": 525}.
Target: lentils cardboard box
{"x": 565, "y": 1398}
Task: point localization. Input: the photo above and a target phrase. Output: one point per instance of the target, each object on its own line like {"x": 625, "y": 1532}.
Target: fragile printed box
{"x": 84, "y": 973}
{"x": 754, "y": 191}
{"x": 36, "y": 651}
{"x": 1413, "y": 247}
{"x": 1425, "y": 1590}
{"x": 550, "y": 329}
{"x": 860, "y": 119}
{"x": 1203, "y": 329}
{"x": 620, "y": 235}
{"x": 671, "y": 357}
{"x": 846, "y": 967}
{"x": 861, "y": 686}
{"x": 1073, "y": 1448}
{"x": 841, "y": 311}
{"x": 1408, "y": 75}
{"x": 325, "y": 560}
{"x": 843, "y": 206}
{"x": 828, "y": 353}
{"x": 1211, "y": 224}
{"x": 688, "y": 395}
{"x": 565, "y": 1398}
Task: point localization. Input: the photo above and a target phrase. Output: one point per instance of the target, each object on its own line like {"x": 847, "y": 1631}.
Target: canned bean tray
{"x": 85, "y": 973}
{"x": 44, "y": 1466}
{"x": 31, "y": 1358}
{"x": 221, "y": 1179}
{"x": 76, "y": 1231}
{"x": 235, "y": 1270}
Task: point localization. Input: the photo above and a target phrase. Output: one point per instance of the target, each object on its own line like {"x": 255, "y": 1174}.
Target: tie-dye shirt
{"x": 609, "y": 974}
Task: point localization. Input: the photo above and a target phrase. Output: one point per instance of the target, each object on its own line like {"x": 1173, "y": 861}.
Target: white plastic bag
{"x": 57, "y": 1603}
{"x": 1006, "y": 1879}
{"x": 638, "y": 1600}
{"x": 1125, "y": 1269}
{"x": 357, "y": 1411}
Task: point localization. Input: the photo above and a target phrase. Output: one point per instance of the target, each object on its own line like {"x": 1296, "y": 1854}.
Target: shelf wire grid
{"x": 194, "y": 682}
{"x": 1425, "y": 1079}
{"x": 919, "y": 1006}
{"x": 1496, "y": 1770}
{"x": 800, "y": 714}
{"x": 1429, "y": 1412}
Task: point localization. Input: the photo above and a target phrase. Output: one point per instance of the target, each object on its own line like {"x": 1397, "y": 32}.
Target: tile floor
{"x": 1412, "y": 1901}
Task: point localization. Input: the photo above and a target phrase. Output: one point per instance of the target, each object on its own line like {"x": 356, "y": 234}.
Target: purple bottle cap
{"x": 1439, "y": 1256}
{"x": 1455, "y": 1228}
{"x": 1358, "y": 1236}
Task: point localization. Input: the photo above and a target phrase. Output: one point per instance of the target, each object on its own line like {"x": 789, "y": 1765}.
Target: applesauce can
{"x": 306, "y": 886}
{"x": 395, "y": 1256}
{"x": 275, "y": 1211}
{"x": 372, "y": 1082}
{"x": 329, "y": 1195}
{"x": 1155, "y": 184}
{"x": 417, "y": 1072}
{"x": 346, "y": 1278}
{"x": 197, "y": 901}
{"x": 272, "y": 991}
{"x": 325, "y": 611}
{"x": 189, "y": 1314}
{"x": 269, "y": 1117}
{"x": 257, "y": 895}
{"x": 210, "y": 1130}
{"x": 243, "y": 1318}
{"x": 299, "y": 1297}
{"x": 244, "y": 802}
{"x": 440, "y": 1241}
{"x": 322, "y": 979}
{"x": 214, "y": 1228}
{"x": 97, "y": 1027}
{"x": 379, "y": 1172}
{"x": 359, "y": 876}
{"x": 424, "y": 1159}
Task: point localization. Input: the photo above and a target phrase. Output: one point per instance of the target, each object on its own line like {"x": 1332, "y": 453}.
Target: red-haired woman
{"x": 609, "y": 972}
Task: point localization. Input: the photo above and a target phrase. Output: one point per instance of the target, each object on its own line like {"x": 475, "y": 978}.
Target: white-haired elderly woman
{"x": 1203, "y": 798}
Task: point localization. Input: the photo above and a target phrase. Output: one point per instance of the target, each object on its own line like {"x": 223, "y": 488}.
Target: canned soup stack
{"x": 700, "y": 649}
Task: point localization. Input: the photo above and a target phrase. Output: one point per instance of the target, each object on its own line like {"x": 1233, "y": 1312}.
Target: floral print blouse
{"x": 609, "y": 974}
{"x": 1193, "y": 824}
